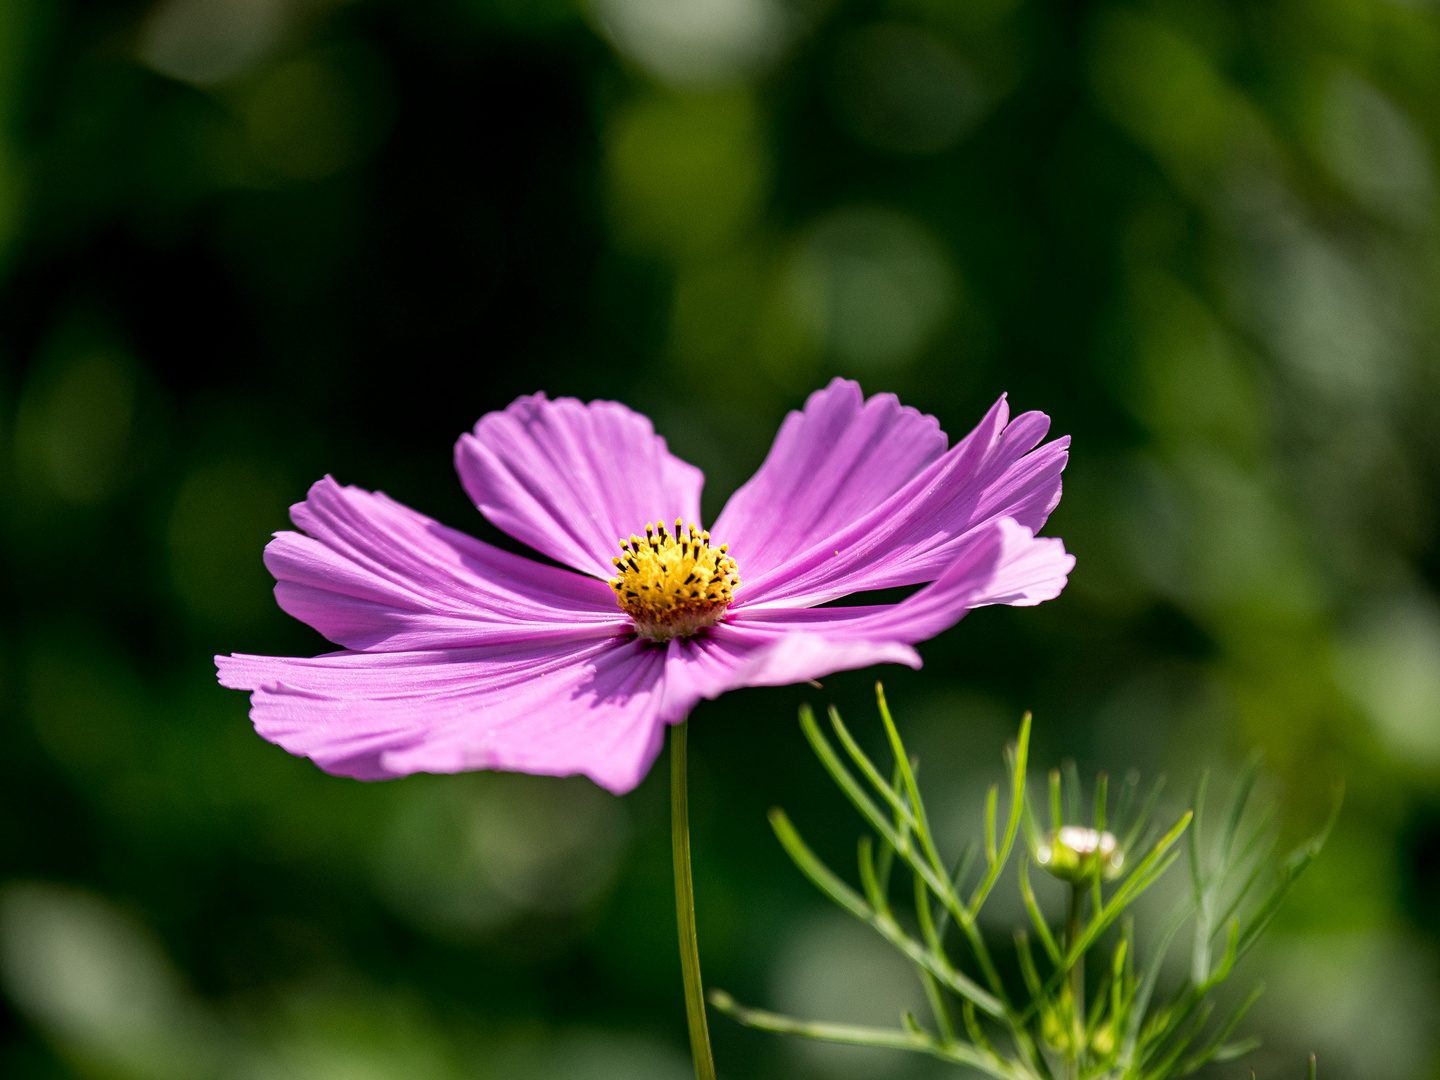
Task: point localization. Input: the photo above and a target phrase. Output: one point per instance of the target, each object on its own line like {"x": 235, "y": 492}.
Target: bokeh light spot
{"x": 1390, "y": 665}
{"x": 687, "y": 172}
{"x": 834, "y": 967}
{"x": 75, "y": 426}
{"x": 901, "y": 89}
{"x": 84, "y": 972}
{"x": 1374, "y": 149}
{"x": 466, "y": 856}
{"x": 695, "y": 42}
{"x": 872, "y": 286}
{"x": 320, "y": 114}
{"x": 222, "y": 516}
{"x": 208, "y": 42}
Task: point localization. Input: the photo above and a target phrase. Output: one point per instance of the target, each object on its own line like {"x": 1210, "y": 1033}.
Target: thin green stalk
{"x": 1077, "y": 979}
{"x": 685, "y": 906}
{"x": 959, "y": 1053}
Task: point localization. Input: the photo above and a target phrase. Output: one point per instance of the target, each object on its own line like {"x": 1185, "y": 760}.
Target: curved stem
{"x": 685, "y": 906}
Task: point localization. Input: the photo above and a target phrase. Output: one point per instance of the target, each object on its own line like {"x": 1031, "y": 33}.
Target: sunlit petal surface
{"x": 572, "y": 480}
{"x": 555, "y": 710}
{"x": 870, "y": 498}
{"x": 466, "y": 657}
{"x": 369, "y": 573}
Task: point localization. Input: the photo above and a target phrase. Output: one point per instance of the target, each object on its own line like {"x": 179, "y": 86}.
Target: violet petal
{"x": 912, "y": 535}
{"x": 1002, "y": 562}
{"x": 373, "y": 574}
{"x": 551, "y": 709}
{"x": 572, "y": 479}
{"x": 828, "y": 466}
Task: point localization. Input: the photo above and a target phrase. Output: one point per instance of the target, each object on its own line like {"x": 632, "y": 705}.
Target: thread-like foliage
{"x": 1056, "y": 1024}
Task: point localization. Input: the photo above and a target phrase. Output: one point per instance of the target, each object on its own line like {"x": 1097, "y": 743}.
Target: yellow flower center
{"x": 673, "y": 585}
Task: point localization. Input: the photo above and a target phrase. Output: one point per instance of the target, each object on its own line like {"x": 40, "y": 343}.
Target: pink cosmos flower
{"x": 458, "y": 655}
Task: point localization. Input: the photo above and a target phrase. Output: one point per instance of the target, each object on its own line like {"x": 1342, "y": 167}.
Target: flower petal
{"x": 1002, "y": 562}
{"x": 572, "y": 479}
{"x": 911, "y": 534}
{"x": 551, "y": 709}
{"x": 828, "y": 466}
{"x": 729, "y": 656}
{"x": 373, "y": 574}
{"x": 795, "y": 656}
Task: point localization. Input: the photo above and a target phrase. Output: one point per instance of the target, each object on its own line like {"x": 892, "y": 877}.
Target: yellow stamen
{"x": 673, "y": 585}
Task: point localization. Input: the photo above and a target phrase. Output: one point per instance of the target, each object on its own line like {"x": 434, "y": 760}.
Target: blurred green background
{"x": 244, "y": 243}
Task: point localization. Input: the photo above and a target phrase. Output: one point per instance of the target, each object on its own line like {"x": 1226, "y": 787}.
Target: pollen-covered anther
{"x": 673, "y": 584}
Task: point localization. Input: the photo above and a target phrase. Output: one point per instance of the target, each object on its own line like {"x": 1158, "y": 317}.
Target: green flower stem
{"x": 1077, "y": 980}
{"x": 685, "y": 906}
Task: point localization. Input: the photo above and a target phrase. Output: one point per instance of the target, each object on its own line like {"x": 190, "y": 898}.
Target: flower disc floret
{"x": 673, "y": 585}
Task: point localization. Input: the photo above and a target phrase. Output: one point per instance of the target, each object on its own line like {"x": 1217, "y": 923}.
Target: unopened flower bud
{"x": 1073, "y": 853}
